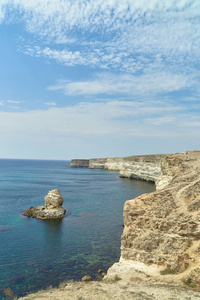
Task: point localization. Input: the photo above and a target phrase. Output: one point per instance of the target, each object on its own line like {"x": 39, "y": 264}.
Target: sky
{"x": 99, "y": 78}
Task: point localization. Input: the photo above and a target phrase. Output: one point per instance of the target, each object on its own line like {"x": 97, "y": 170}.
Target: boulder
{"x": 87, "y": 278}
{"x": 52, "y": 210}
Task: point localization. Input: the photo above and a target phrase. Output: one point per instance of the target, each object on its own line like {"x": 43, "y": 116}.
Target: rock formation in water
{"x": 52, "y": 210}
{"x": 161, "y": 237}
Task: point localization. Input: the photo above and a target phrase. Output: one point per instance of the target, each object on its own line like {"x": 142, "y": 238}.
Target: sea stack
{"x": 52, "y": 210}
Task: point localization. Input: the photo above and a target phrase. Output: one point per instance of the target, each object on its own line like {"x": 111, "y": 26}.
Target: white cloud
{"x": 50, "y": 103}
{"x": 89, "y": 14}
{"x": 193, "y": 124}
{"x": 127, "y": 84}
{"x": 13, "y": 101}
{"x": 161, "y": 120}
{"x": 68, "y": 58}
{"x": 118, "y": 118}
{"x": 153, "y": 44}
{"x": 129, "y": 35}
{"x": 95, "y": 129}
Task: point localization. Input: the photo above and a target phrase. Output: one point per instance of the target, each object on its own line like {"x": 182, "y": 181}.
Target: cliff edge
{"x": 145, "y": 167}
{"x": 161, "y": 237}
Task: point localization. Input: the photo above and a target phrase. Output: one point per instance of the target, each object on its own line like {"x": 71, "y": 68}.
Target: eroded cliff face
{"x": 145, "y": 167}
{"x": 161, "y": 237}
{"x": 79, "y": 163}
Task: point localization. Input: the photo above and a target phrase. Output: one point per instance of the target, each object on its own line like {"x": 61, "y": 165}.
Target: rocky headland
{"x": 52, "y": 210}
{"x": 160, "y": 244}
{"x": 161, "y": 237}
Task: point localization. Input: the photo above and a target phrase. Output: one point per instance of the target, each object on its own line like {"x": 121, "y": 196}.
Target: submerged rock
{"x": 52, "y": 210}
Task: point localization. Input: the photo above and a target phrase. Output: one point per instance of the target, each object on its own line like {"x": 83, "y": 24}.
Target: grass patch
{"x": 167, "y": 271}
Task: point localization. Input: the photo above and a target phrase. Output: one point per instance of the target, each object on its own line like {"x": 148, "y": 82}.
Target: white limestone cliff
{"x": 145, "y": 167}
{"x": 161, "y": 237}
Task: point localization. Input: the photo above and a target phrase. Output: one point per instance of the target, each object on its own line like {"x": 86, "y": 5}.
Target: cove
{"x": 35, "y": 254}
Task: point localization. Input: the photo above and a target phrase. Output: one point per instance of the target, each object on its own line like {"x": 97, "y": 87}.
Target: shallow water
{"x": 35, "y": 254}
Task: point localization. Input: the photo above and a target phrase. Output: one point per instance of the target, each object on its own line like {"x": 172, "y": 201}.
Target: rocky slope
{"x": 115, "y": 290}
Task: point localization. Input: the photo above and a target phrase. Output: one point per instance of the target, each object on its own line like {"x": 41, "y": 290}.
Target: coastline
{"x": 96, "y": 290}
{"x": 134, "y": 272}
{"x": 142, "y": 167}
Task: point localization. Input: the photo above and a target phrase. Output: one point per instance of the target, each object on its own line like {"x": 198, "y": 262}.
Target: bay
{"x": 35, "y": 254}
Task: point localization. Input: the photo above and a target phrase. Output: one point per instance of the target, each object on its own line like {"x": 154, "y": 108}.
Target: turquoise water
{"x": 35, "y": 254}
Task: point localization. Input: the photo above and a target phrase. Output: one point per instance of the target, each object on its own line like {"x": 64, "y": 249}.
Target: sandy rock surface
{"x": 53, "y": 199}
{"x": 162, "y": 229}
{"x": 114, "y": 291}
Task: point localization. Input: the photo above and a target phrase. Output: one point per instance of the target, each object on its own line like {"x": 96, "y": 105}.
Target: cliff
{"x": 161, "y": 237}
{"x": 145, "y": 167}
{"x": 79, "y": 163}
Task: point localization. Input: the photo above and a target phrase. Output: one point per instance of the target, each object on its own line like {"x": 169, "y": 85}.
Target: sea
{"x": 37, "y": 254}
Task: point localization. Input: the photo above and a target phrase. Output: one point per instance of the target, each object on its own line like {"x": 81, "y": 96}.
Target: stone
{"x": 51, "y": 211}
{"x": 53, "y": 199}
{"x": 87, "y": 278}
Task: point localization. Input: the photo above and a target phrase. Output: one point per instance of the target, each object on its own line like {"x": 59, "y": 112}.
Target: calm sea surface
{"x": 35, "y": 254}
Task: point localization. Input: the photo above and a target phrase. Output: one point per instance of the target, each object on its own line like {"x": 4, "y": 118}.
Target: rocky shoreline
{"x": 117, "y": 290}
{"x": 160, "y": 248}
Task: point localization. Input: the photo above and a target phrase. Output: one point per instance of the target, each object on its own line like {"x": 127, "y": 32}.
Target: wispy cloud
{"x": 50, "y": 103}
{"x": 129, "y": 35}
{"x": 161, "y": 120}
{"x": 127, "y": 84}
{"x": 13, "y": 101}
{"x": 145, "y": 52}
{"x": 10, "y": 102}
{"x": 120, "y": 118}
{"x": 92, "y": 125}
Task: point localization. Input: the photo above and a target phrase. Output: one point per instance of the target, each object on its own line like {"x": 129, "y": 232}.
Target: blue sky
{"x": 85, "y": 78}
